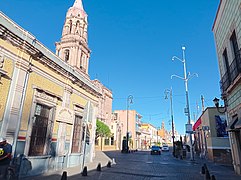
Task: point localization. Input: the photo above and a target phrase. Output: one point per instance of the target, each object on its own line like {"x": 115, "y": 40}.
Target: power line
{"x": 149, "y": 97}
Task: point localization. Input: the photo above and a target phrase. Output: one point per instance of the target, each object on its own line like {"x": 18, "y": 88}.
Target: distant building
{"x": 134, "y": 120}
{"x": 149, "y": 136}
{"x": 105, "y": 103}
{"x": 164, "y": 135}
{"x": 227, "y": 33}
{"x": 104, "y": 114}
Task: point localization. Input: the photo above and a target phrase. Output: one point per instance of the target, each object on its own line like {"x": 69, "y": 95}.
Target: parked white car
{"x": 165, "y": 148}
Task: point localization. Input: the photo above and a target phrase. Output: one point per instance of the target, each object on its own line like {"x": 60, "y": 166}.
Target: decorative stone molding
{"x": 1, "y": 61}
{"x": 64, "y": 115}
{"x": 2, "y": 72}
{"x": 69, "y": 89}
{"x": 46, "y": 96}
{"x": 78, "y": 108}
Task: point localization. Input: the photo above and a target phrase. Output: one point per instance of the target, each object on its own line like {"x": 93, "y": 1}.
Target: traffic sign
{"x": 189, "y": 128}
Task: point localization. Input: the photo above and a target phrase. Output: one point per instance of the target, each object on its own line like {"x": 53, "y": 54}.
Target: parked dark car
{"x": 155, "y": 150}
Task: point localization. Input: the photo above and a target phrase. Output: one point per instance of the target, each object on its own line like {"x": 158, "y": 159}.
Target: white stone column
{"x": 14, "y": 106}
{"x": 62, "y": 126}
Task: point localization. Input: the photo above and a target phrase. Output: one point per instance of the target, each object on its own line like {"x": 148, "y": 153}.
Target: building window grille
{"x": 226, "y": 63}
{"x": 234, "y": 44}
{"x": 76, "y": 141}
{"x": 40, "y": 132}
{"x": 226, "y": 78}
{"x": 107, "y": 142}
{"x": 112, "y": 141}
{"x": 235, "y": 67}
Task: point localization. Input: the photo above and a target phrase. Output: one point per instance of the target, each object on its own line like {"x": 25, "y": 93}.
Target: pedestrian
{"x": 5, "y": 157}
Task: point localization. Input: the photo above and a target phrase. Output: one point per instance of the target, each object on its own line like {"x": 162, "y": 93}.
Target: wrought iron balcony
{"x": 232, "y": 73}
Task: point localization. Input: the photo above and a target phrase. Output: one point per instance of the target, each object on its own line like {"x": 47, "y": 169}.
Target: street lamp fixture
{"x": 186, "y": 78}
{"x": 216, "y": 102}
{"x": 129, "y": 101}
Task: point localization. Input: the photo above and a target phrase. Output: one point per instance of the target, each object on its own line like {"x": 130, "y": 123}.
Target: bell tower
{"x": 73, "y": 46}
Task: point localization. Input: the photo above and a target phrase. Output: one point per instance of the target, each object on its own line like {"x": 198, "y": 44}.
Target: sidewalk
{"x": 100, "y": 157}
{"x": 220, "y": 171}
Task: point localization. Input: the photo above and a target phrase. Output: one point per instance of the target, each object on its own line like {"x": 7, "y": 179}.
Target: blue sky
{"x": 132, "y": 44}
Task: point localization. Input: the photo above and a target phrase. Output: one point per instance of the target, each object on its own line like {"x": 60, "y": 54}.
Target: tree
{"x": 102, "y": 130}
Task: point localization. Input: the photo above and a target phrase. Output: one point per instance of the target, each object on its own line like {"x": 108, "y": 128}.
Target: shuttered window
{"x": 77, "y": 136}
{"x": 40, "y": 130}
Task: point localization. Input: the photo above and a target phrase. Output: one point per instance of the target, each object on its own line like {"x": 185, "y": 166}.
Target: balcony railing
{"x": 229, "y": 76}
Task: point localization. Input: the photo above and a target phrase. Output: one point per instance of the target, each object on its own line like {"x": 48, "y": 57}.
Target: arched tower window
{"x": 77, "y": 31}
{"x": 70, "y": 26}
{"x": 66, "y": 55}
{"x": 81, "y": 61}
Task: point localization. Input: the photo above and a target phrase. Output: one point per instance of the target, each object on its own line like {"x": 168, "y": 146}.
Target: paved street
{"x": 143, "y": 166}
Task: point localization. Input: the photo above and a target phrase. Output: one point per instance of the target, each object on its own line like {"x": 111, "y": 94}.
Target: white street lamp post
{"x": 186, "y": 78}
{"x": 129, "y": 101}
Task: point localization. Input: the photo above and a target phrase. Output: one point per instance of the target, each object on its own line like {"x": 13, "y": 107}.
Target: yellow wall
{"x": 41, "y": 82}
{"x": 68, "y": 132}
{"x": 79, "y": 99}
{"x": 74, "y": 98}
{"x": 5, "y": 85}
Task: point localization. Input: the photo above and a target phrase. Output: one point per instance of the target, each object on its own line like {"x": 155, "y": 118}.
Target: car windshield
{"x": 155, "y": 147}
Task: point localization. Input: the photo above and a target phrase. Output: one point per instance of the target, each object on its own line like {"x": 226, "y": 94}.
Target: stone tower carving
{"x": 73, "y": 47}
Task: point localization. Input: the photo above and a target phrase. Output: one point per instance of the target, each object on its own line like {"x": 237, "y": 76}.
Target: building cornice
{"x": 215, "y": 20}
{"x": 21, "y": 38}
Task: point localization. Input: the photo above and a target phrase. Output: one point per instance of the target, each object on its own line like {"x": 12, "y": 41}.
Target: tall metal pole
{"x": 173, "y": 136}
{"x": 187, "y": 100}
{"x": 172, "y": 119}
{"x": 129, "y": 100}
{"x": 127, "y": 124}
{"x": 85, "y": 133}
{"x": 186, "y": 78}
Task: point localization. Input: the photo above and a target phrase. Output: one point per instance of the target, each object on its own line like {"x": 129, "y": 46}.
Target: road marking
{"x": 149, "y": 162}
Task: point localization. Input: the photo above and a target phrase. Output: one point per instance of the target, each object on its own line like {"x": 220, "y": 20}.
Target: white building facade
{"x": 227, "y": 33}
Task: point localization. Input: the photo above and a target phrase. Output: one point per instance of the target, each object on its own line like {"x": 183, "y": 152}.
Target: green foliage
{"x": 102, "y": 130}
{"x": 158, "y": 144}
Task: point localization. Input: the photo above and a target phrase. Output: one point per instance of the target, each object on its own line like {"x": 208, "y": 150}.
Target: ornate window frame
{"x": 2, "y": 72}
{"x": 78, "y": 111}
{"x": 49, "y": 99}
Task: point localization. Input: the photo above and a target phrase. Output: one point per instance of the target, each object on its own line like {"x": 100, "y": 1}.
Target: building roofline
{"x": 206, "y": 109}
{"x": 217, "y": 14}
{"x": 27, "y": 37}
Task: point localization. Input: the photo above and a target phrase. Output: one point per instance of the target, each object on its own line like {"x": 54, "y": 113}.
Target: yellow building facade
{"x": 149, "y": 136}
{"x": 48, "y": 104}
